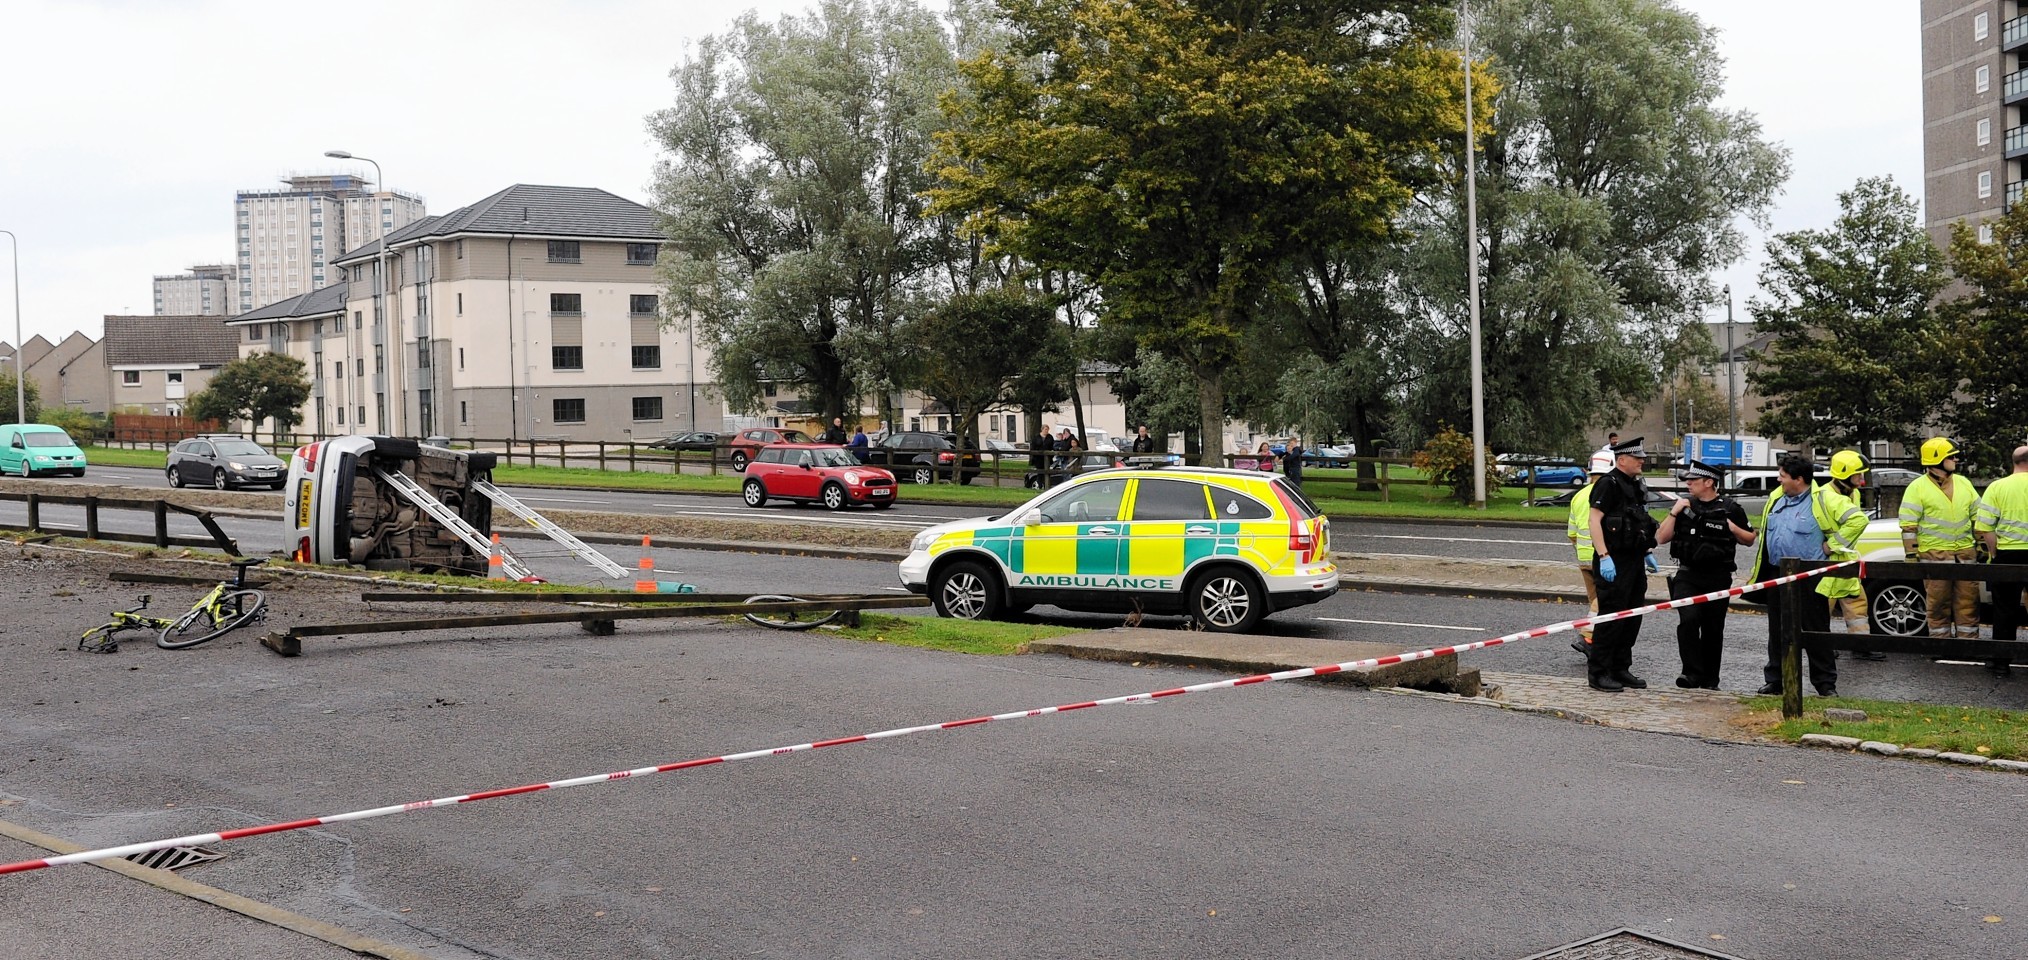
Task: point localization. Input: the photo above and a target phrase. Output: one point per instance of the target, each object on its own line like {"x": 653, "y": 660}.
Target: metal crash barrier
{"x": 93, "y": 505}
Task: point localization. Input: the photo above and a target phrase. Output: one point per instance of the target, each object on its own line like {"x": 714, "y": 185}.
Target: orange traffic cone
{"x": 644, "y": 582}
{"x": 496, "y": 561}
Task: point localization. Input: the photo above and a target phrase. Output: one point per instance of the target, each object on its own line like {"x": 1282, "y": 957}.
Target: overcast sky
{"x": 126, "y": 126}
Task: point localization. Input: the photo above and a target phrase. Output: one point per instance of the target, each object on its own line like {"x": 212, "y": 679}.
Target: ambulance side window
{"x": 1233, "y": 505}
{"x": 1087, "y": 503}
{"x": 1171, "y": 500}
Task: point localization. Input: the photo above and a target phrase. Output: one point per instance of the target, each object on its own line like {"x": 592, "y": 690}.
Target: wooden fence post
{"x": 1792, "y": 599}
{"x": 161, "y": 523}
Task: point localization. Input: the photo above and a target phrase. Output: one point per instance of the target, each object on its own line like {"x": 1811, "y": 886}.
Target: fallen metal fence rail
{"x": 93, "y": 504}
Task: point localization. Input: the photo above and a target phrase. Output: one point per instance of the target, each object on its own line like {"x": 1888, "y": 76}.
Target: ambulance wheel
{"x": 965, "y": 591}
{"x": 1226, "y": 600}
{"x": 753, "y": 493}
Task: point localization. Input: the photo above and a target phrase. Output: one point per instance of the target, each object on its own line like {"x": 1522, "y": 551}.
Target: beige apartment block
{"x": 287, "y": 239}
{"x": 1974, "y": 86}
{"x": 206, "y": 291}
{"x": 533, "y": 313}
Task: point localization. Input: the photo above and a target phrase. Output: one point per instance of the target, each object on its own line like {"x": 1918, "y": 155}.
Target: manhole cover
{"x": 175, "y": 858}
{"x": 1629, "y": 945}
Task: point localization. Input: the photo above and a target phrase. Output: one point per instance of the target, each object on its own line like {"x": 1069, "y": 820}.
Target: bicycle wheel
{"x": 242, "y": 606}
{"x": 789, "y": 619}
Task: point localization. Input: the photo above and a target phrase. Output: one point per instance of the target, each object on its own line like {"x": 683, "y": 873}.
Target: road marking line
{"x": 1397, "y": 623}
{"x": 562, "y": 500}
{"x": 1403, "y": 536}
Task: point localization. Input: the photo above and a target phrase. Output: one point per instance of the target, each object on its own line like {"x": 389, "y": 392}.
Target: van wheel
{"x": 1226, "y": 601}
{"x": 1897, "y": 609}
{"x": 834, "y": 497}
{"x": 25, "y": 472}
{"x": 965, "y": 591}
{"x": 753, "y": 493}
{"x": 175, "y": 477}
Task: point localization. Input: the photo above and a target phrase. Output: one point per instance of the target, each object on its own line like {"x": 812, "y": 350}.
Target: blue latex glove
{"x": 1653, "y": 567}
{"x": 1606, "y": 571}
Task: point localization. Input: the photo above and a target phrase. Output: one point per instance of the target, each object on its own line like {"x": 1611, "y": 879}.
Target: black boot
{"x": 1605, "y": 683}
{"x": 1626, "y": 678}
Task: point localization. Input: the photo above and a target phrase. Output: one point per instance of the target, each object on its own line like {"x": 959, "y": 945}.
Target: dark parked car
{"x": 917, "y": 456}
{"x": 1657, "y": 500}
{"x": 225, "y": 462}
{"x": 1083, "y": 463}
{"x": 697, "y": 440}
{"x": 746, "y": 443}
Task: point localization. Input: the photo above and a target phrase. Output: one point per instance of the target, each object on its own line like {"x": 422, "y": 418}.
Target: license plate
{"x": 302, "y": 504}
{"x": 881, "y": 491}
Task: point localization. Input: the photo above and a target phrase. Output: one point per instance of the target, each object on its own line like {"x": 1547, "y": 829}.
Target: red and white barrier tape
{"x": 223, "y": 835}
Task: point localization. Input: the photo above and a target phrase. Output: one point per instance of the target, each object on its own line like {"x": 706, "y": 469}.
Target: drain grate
{"x": 175, "y": 858}
{"x": 1624, "y": 944}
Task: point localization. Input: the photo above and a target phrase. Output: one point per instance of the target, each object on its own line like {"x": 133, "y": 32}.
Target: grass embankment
{"x": 120, "y": 457}
{"x": 988, "y": 637}
{"x": 2001, "y": 734}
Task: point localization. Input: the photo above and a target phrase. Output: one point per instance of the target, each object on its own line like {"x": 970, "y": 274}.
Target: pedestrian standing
{"x": 1063, "y": 444}
{"x": 1578, "y": 529}
{"x": 1143, "y": 443}
{"x": 1848, "y": 474}
{"x": 2002, "y": 521}
{"x": 1936, "y": 526}
{"x": 1803, "y": 522}
{"x": 1265, "y": 458}
{"x": 1703, "y": 531}
{"x": 1292, "y": 462}
{"x": 1622, "y": 533}
{"x": 858, "y": 445}
{"x": 835, "y": 433}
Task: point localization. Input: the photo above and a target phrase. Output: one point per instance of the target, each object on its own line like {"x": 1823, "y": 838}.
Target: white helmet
{"x": 1601, "y": 463}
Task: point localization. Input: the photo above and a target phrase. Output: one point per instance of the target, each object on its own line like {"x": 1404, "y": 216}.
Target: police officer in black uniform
{"x": 1622, "y": 533}
{"x": 1703, "y": 530}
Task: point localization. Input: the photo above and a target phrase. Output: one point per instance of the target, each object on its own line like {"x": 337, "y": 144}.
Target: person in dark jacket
{"x": 1292, "y": 462}
{"x": 1703, "y": 531}
{"x": 1143, "y": 443}
{"x": 859, "y": 443}
{"x": 835, "y": 433}
{"x": 1622, "y": 533}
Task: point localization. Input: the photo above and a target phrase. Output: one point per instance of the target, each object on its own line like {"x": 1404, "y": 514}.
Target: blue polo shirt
{"x": 1792, "y": 530}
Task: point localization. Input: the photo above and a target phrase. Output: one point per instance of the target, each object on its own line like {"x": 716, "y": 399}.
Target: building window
{"x": 461, "y": 304}
{"x": 641, "y": 304}
{"x": 337, "y": 369}
{"x": 462, "y": 412}
{"x": 647, "y": 408}
{"x": 379, "y": 359}
{"x": 359, "y": 370}
{"x": 1985, "y": 132}
{"x": 461, "y": 249}
{"x": 130, "y": 378}
{"x": 422, "y": 355}
{"x": 563, "y": 251}
{"x": 647, "y": 358}
{"x": 1985, "y": 184}
{"x": 1985, "y": 233}
{"x": 1982, "y": 79}
{"x": 1979, "y": 27}
{"x": 341, "y": 415}
{"x": 175, "y": 376}
{"x": 253, "y": 331}
{"x": 358, "y": 322}
{"x": 566, "y": 358}
{"x": 640, "y": 253}
{"x": 317, "y": 327}
{"x": 566, "y": 303}
{"x": 567, "y": 411}
{"x": 461, "y": 358}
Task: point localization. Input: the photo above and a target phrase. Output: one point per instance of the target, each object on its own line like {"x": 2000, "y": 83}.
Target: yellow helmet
{"x": 1936, "y": 450}
{"x": 1845, "y": 463}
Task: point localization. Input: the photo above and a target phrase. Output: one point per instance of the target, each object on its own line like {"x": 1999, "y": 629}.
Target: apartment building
{"x": 1974, "y": 88}
{"x": 209, "y": 290}
{"x": 533, "y": 313}
{"x": 288, "y": 238}
{"x": 154, "y": 364}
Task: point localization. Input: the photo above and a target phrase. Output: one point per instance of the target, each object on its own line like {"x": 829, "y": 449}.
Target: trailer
{"x": 1725, "y": 450}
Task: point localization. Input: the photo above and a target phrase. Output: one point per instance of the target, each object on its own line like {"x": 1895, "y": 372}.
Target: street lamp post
{"x": 20, "y": 377}
{"x": 383, "y": 312}
{"x": 1472, "y": 271}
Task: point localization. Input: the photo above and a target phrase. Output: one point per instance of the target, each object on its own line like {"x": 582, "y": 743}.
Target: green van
{"x": 27, "y": 449}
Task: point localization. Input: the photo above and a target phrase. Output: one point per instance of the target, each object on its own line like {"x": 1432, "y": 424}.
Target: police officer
{"x": 1578, "y": 529}
{"x": 2002, "y": 522}
{"x": 1702, "y": 530}
{"x": 1936, "y": 526}
{"x": 1622, "y": 533}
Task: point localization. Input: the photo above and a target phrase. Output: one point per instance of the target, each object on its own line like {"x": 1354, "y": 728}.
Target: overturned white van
{"x": 344, "y": 505}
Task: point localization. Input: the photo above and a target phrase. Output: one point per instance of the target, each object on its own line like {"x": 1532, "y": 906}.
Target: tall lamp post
{"x": 20, "y": 377}
{"x": 1472, "y": 270}
{"x": 382, "y": 312}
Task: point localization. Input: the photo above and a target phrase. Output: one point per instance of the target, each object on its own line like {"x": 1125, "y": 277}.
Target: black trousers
{"x": 2007, "y": 597}
{"x": 1814, "y": 617}
{"x": 1700, "y": 635}
{"x": 1612, "y": 644}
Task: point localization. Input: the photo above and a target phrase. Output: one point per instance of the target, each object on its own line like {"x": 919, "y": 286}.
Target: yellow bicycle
{"x": 105, "y": 638}
{"x": 230, "y": 605}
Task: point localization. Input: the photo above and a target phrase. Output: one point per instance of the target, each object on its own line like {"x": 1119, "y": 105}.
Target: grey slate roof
{"x": 586, "y": 212}
{"x": 205, "y": 341}
{"x": 320, "y": 302}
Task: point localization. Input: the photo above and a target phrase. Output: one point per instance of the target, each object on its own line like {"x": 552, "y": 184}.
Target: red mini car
{"x": 824, "y": 473}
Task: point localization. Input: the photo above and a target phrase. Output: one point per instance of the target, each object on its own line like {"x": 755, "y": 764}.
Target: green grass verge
{"x": 986, "y": 637}
{"x": 2001, "y": 734}
{"x": 121, "y": 457}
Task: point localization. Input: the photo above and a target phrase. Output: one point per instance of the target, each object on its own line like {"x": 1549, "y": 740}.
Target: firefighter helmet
{"x": 1936, "y": 450}
{"x": 1845, "y": 463}
{"x": 1601, "y": 463}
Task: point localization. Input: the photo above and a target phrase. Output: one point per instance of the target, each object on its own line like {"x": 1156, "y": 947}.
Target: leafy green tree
{"x": 8, "y": 407}
{"x": 1853, "y": 359}
{"x": 798, "y": 240}
{"x": 264, "y": 386}
{"x": 975, "y": 346}
{"x": 1979, "y": 338}
{"x": 1178, "y": 154}
{"x": 1608, "y": 192}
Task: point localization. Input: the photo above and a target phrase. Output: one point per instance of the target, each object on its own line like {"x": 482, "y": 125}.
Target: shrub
{"x": 1447, "y": 459}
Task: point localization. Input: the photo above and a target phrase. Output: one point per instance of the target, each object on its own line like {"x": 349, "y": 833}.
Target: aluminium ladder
{"x": 450, "y": 520}
{"x": 583, "y": 550}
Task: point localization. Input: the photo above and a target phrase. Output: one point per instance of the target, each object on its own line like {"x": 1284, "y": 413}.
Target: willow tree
{"x": 1180, "y": 154}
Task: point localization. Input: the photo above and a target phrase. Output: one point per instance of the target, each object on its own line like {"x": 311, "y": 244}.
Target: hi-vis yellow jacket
{"x": 1579, "y": 528}
{"x": 1940, "y": 522}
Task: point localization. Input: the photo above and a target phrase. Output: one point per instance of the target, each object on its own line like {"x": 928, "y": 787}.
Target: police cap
{"x": 1629, "y": 448}
{"x": 1699, "y": 468}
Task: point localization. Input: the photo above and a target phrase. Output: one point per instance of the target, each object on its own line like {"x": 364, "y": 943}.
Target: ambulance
{"x": 1223, "y": 547}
